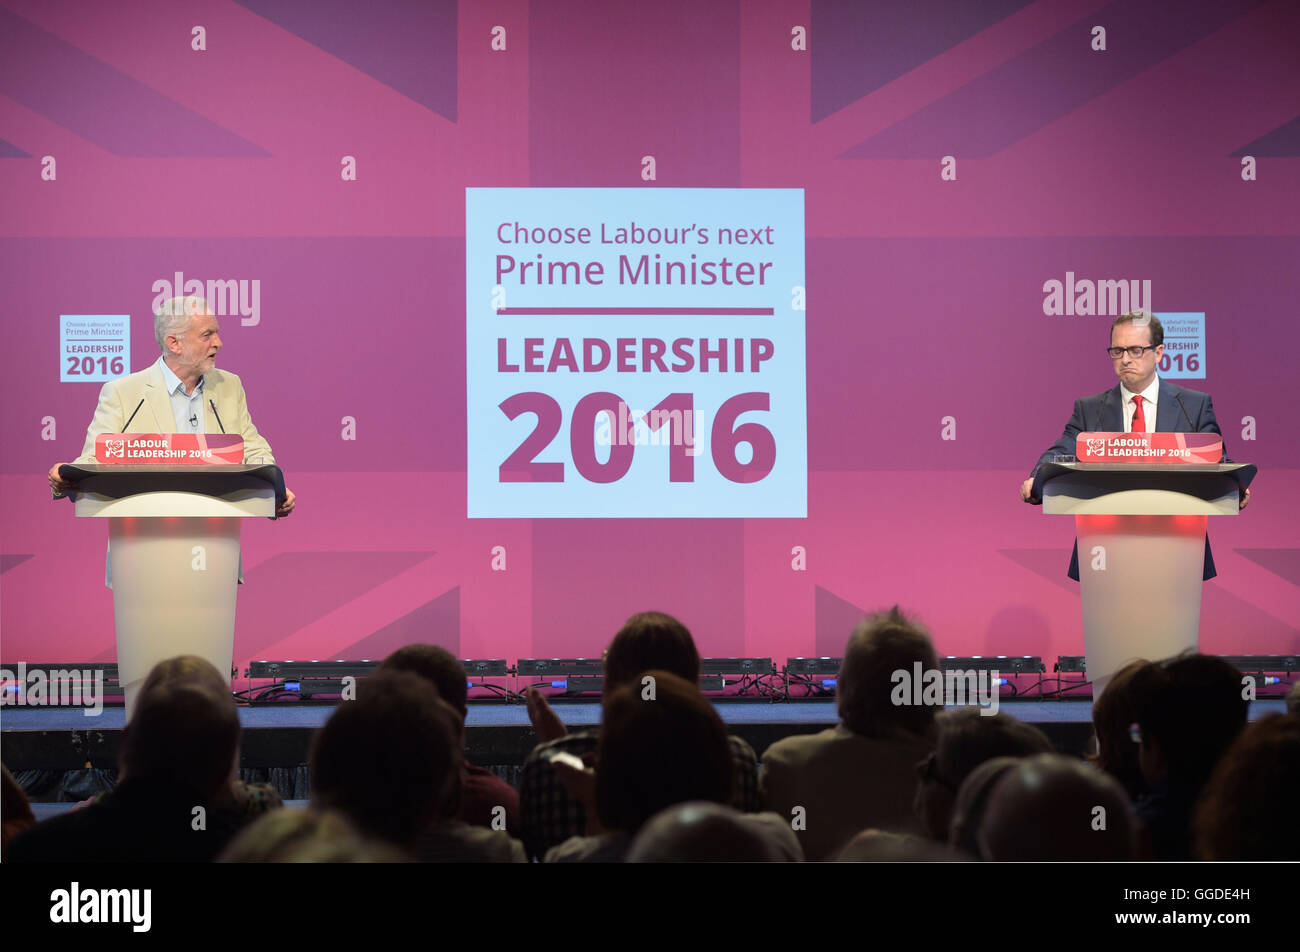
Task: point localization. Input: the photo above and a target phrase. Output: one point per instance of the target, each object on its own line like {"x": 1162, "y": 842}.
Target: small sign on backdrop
{"x": 94, "y": 348}
{"x": 1184, "y": 357}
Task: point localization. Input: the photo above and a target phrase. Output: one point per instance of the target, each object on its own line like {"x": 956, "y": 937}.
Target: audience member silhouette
{"x": 389, "y": 760}
{"x": 1248, "y": 810}
{"x": 701, "y": 832}
{"x": 486, "y": 799}
{"x": 972, "y": 802}
{"x": 661, "y": 743}
{"x": 861, "y": 773}
{"x": 1050, "y": 807}
{"x": 307, "y": 836}
{"x": 1189, "y": 711}
{"x": 647, "y": 640}
{"x": 880, "y": 846}
{"x": 176, "y": 764}
{"x": 1113, "y": 714}
{"x": 964, "y": 739}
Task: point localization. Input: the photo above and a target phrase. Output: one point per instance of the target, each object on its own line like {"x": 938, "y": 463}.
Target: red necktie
{"x": 1139, "y": 418}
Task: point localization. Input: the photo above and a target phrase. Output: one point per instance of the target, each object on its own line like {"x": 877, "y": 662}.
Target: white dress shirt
{"x": 187, "y": 408}
{"x": 1149, "y": 396}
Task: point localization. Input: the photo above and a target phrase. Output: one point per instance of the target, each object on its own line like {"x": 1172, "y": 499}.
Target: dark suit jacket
{"x": 137, "y": 822}
{"x": 1178, "y": 410}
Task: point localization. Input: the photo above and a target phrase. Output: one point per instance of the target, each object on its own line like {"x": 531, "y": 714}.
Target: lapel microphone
{"x": 212, "y": 404}
{"x": 133, "y": 413}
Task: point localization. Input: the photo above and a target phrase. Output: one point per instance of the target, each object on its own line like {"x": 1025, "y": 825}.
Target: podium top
{"x": 119, "y": 481}
{"x": 1241, "y": 473}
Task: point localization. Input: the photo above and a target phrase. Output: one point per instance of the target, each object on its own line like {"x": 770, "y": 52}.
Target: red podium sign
{"x": 186, "y": 449}
{"x": 1149, "y": 448}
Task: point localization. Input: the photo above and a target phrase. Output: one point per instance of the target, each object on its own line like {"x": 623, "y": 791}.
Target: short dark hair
{"x": 434, "y": 664}
{"x": 967, "y": 737}
{"x": 696, "y": 832}
{"x": 1045, "y": 808}
{"x": 183, "y": 736}
{"x": 184, "y": 668}
{"x": 1140, "y": 318}
{"x": 1192, "y": 707}
{"x": 651, "y": 640}
{"x": 881, "y": 644}
{"x": 390, "y": 760}
{"x": 1113, "y": 712}
{"x": 656, "y": 752}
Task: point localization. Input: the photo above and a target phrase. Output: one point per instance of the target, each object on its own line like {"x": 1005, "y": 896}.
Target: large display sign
{"x": 635, "y": 353}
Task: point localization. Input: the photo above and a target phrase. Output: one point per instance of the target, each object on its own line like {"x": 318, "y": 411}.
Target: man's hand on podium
{"x": 287, "y": 506}
{"x": 58, "y": 486}
{"x": 1025, "y": 489}
{"x": 1244, "y": 500}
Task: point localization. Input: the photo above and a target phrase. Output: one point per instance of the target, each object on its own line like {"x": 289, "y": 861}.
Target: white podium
{"x": 1141, "y": 532}
{"x": 174, "y": 556}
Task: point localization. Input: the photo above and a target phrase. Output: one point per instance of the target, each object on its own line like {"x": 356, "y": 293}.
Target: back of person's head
{"x": 972, "y": 802}
{"x": 1248, "y": 808}
{"x": 964, "y": 739}
{"x": 701, "y": 832}
{"x": 183, "y": 737}
{"x": 883, "y": 643}
{"x": 184, "y": 668}
{"x": 968, "y": 736}
{"x": 1189, "y": 711}
{"x": 1113, "y": 713}
{"x": 1055, "y": 808}
{"x": 661, "y": 743}
{"x": 651, "y": 640}
{"x": 435, "y": 664}
{"x": 882, "y": 846}
{"x": 306, "y": 836}
{"x": 390, "y": 760}
{"x": 1293, "y": 699}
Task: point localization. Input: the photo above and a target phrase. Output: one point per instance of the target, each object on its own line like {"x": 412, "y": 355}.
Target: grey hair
{"x": 174, "y": 315}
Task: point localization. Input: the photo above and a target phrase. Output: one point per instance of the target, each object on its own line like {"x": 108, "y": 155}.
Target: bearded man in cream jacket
{"x": 181, "y": 392}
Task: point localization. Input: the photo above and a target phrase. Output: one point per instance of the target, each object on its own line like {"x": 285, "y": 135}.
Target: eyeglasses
{"x": 1135, "y": 352}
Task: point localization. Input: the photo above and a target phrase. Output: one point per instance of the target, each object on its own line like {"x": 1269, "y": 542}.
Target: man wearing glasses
{"x": 1140, "y": 402}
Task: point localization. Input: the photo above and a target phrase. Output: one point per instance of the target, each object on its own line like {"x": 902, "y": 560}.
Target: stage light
{"x": 73, "y": 680}
{"x": 1003, "y": 664}
{"x": 550, "y": 667}
{"x": 1259, "y": 664}
{"x": 813, "y": 665}
{"x": 1246, "y": 664}
{"x": 751, "y": 666}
